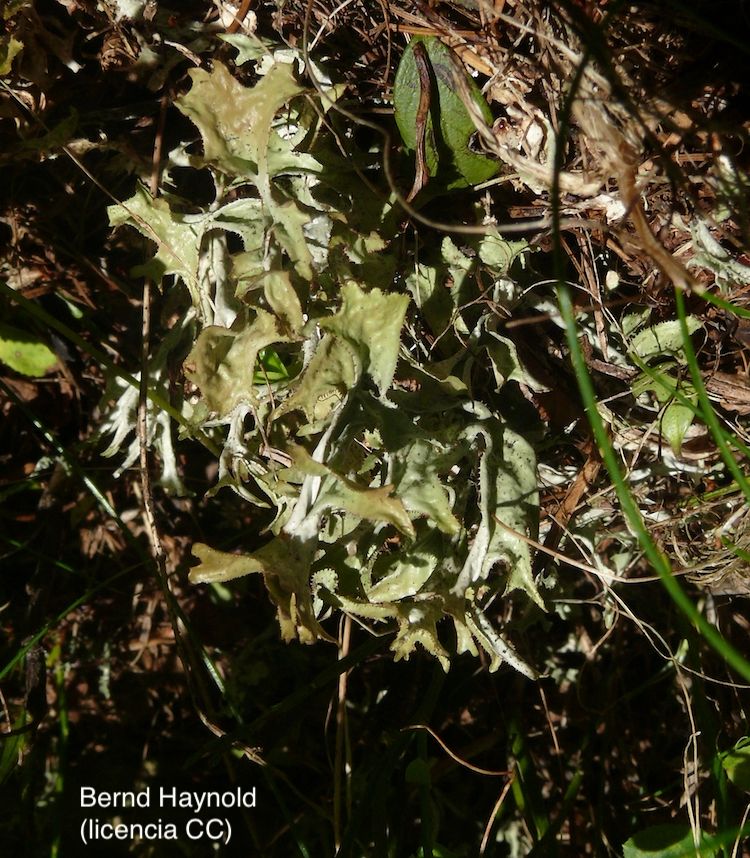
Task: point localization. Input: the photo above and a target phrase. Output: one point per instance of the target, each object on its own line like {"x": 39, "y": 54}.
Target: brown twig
{"x": 239, "y": 17}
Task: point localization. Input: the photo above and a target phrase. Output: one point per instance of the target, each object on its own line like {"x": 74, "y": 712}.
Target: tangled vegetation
{"x": 414, "y": 329}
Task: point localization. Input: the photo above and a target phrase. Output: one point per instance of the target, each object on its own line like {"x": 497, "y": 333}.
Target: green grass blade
{"x": 709, "y": 415}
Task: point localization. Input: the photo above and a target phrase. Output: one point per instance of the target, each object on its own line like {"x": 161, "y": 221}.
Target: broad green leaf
{"x": 337, "y": 492}
{"x": 427, "y": 287}
{"x": 270, "y": 367}
{"x": 177, "y": 242}
{"x": 436, "y": 380}
{"x": 25, "y": 353}
{"x": 417, "y": 624}
{"x": 661, "y": 380}
{"x": 247, "y": 269}
{"x": 235, "y": 121}
{"x": 218, "y": 566}
{"x": 236, "y": 124}
{"x": 675, "y": 422}
{"x": 416, "y": 478}
{"x": 460, "y": 267}
{"x": 285, "y": 561}
{"x": 289, "y": 221}
{"x": 508, "y": 494}
{"x": 506, "y": 365}
{"x": 373, "y": 504}
{"x": 664, "y": 841}
{"x": 283, "y": 300}
{"x": 630, "y": 322}
{"x": 449, "y": 126}
{"x": 677, "y": 418}
{"x": 285, "y": 565}
{"x": 370, "y": 322}
{"x": 403, "y": 574}
{"x": 360, "y": 257}
{"x": 283, "y": 159}
{"x": 245, "y": 218}
{"x": 332, "y": 372}
{"x": 664, "y": 339}
{"x": 498, "y": 253}
{"x": 736, "y": 764}
{"x": 388, "y": 507}
{"x": 222, "y": 361}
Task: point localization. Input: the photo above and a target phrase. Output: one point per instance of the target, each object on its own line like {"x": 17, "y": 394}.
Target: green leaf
{"x": 24, "y": 352}
{"x": 219, "y": 566}
{"x": 418, "y": 772}
{"x": 237, "y": 127}
{"x": 387, "y": 506}
{"x": 283, "y": 300}
{"x": 402, "y": 575}
{"x": 337, "y": 492}
{"x": 285, "y": 566}
{"x": 222, "y": 361}
{"x": 449, "y": 127}
{"x": 499, "y": 253}
{"x": 249, "y": 47}
{"x": 235, "y": 121}
{"x": 415, "y": 476}
{"x": 506, "y": 365}
{"x": 736, "y": 764}
{"x": 177, "y": 242}
{"x": 508, "y": 494}
{"x": 664, "y": 841}
{"x": 661, "y": 380}
{"x": 373, "y": 504}
{"x": 11, "y": 749}
{"x": 332, "y": 372}
{"x": 285, "y": 561}
{"x": 417, "y": 624}
{"x": 675, "y": 422}
{"x": 370, "y": 322}
{"x": 677, "y": 417}
{"x": 630, "y": 322}
{"x": 270, "y": 367}
{"x": 481, "y": 629}
{"x": 662, "y": 339}
{"x": 426, "y": 285}
{"x": 289, "y": 221}
{"x": 11, "y": 7}
{"x": 244, "y": 217}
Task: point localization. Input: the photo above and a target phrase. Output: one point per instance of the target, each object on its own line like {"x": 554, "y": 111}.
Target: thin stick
{"x": 495, "y": 811}
{"x": 239, "y": 17}
{"x": 157, "y": 549}
{"x": 339, "y": 761}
